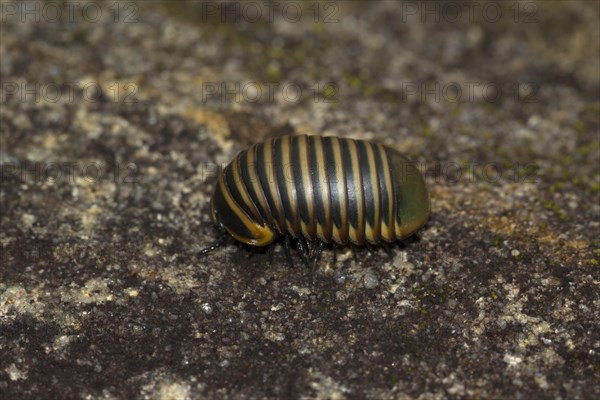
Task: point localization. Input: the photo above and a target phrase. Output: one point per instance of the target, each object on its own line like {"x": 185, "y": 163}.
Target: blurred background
{"x": 116, "y": 116}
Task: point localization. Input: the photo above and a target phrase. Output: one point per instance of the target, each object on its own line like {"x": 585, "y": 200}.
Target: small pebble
{"x": 207, "y": 308}
{"x": 370, "y": 280}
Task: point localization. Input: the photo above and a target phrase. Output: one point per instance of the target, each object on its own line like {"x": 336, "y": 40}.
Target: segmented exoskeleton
{"x": 316, "y": 188}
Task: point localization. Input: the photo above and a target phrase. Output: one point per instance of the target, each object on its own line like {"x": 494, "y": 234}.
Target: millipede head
{"x": 238, "y": 224}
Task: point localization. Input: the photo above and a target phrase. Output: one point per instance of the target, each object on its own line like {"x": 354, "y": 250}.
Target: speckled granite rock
{"x": 114, "y": 117}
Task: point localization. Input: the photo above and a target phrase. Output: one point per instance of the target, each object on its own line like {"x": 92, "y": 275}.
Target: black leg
{"x": 303, "y": 250}
{"x": 387, "y": 249}
{"x": 286, "y": 249}
{"x": 215, "y": 245}
{"x": 319, "y": 251}
{"x": 270, "y": 251}
{"x": 311, "y": 249}
{"x": 354, "y": 253}
{"x": 334, "y": 254}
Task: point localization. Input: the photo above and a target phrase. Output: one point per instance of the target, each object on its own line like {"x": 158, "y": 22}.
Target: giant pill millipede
{"x": 318, "y": 190}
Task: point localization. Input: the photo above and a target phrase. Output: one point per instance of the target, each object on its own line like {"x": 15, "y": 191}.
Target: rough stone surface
{"x": 109, "y": 139}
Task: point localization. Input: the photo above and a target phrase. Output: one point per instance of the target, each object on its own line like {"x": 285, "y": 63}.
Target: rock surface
{"x": 115, "y": 115}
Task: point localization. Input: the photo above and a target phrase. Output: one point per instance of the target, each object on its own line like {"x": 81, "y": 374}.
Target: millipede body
{"x": 319, "y": 188}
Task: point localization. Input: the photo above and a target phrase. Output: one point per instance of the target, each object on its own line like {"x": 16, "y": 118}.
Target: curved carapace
{"x": 320, "y": 188}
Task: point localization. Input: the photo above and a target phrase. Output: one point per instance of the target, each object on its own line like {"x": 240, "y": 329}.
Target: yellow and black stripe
{"x": 320, "y": 188}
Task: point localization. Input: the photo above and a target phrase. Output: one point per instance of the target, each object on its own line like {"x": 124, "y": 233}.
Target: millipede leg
{"x": 303, "y": 250}
{"x": 354, "y": 254}
{"x": 319, "y": 251}
{"x": 270, "y": 254}
{"x": 286, "y": 249}
{"x": 387, "y": 249}
{"x": 334, "y": 254}
{"x": 311, "y": 249}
